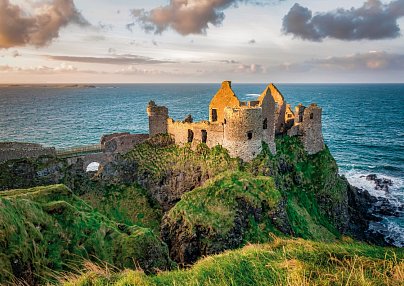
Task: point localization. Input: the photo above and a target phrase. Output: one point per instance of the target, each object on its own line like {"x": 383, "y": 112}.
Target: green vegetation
{"x": 48, "y": 229}
{"x": 213, "y": 203}
{"x": 281, "y": 262}
{"x": 157, "y": 160}
{"x": 316, "y": 195}
{"x": 130, "y": 205}
{"x": 215, "y": 206}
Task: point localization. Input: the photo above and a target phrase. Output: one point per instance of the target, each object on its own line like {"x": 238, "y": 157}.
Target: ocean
{"x": 362, "y": 123}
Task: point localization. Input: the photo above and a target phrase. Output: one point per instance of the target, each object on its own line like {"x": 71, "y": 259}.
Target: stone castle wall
{"x": 243, "y": 132}
{"x": 194, "y": 133}
{"x": 121, "y": 143}
{"x": 15, "y": 150}
{"x": 158, "y": 116}
{"x": 241, "y": 127}
{"x": 312, "y": 136}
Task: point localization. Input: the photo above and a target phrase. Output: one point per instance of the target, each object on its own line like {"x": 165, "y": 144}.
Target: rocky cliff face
{"x": 213, "y": 202}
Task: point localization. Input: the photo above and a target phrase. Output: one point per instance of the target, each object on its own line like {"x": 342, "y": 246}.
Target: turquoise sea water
{"x": 362, "y": 123}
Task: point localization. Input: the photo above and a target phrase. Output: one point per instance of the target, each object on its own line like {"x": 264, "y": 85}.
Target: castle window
{"x": 204, "y": 136}
{"x": 311, "y": 115}
{"x": 190, "y": 136}
{"x": 214, "y": 115}
{"x": 225, "y": 121}
{"x": 265, "y": 124}
{"x": 289, "y": 115}
{"x": 249, "y": 135}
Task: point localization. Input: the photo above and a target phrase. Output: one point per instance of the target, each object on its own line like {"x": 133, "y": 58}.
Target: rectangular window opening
{"x": 204, "y": 136}
{"x": 214, "y": 115}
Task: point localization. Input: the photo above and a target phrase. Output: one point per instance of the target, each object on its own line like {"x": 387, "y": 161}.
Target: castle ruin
{"x": 241, "y": 127}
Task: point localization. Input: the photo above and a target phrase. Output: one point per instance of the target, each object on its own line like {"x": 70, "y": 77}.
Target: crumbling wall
{"x": 180, "y": 131}
{"x": 311, "y": 129}
{"x": 280, "y": 109}
{"x": 121, "y": 143}
{"x": 243, "y": 132}
{"x": 158, "y": 116}
{"x": 267, "y": 104}
{"x": 225, "y": 97}
{"x": 16, "y": 150}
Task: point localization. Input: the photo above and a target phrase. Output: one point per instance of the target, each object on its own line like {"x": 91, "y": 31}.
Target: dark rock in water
{"x": 364, "y": 209}
{"x": 381, "y": 184}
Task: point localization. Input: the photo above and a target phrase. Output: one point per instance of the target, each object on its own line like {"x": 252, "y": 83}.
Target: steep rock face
{"x": 168, "y": 171}
{"x": 223, "y": 214}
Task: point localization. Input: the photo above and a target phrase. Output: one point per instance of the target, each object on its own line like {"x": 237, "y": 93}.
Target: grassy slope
{"x": 157, "y": 160}
{"x": 314, "y": 191}
{"x": 281, "y": 262}
{"x": 47, "y": 229}
{"x": 126, "y": 204}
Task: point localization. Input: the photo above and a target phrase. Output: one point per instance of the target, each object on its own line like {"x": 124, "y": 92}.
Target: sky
{"x": 188, "y": 41}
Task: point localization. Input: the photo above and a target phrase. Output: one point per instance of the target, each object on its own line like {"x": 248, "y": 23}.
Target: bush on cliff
{"x": 48, "y": 229}
{"x": 281, "y": 262}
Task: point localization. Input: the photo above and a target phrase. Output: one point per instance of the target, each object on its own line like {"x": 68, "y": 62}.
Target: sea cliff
{"x": 161, "y": 206}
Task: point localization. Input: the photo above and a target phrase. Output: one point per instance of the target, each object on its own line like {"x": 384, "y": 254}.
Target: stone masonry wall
{"x": 267, "y": 104}
{"x": 243, "y": 132}
{"x": 15, "y": 150}
{"x": 122, "y": 143}
{"x": 158, "y": 116}
{"x": 180, "y": 131}
{"x": 311, "y": 129}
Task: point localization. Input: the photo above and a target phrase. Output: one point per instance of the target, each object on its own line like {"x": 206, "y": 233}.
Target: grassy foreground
{"x": 281, "y": 262}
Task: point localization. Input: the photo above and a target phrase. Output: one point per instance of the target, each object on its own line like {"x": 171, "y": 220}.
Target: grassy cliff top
{"x": 281, "y": 262}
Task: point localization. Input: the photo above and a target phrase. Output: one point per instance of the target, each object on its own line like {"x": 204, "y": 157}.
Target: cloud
{"x": 252, "y": 42}
{"x": 371, "y": 61}
{"x": 186, "y": 16}
{"x": 62, "y": 68}
{"x": 373, "y": 21}
{"x": 19, "y": 28}
{"x": 15, "y": 54}
{"x": 111, "y": 60}
{"x": 252, "y": 68}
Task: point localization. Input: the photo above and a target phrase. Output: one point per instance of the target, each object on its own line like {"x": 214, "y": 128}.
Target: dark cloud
{"x": 18, "y": 28}
{"x": 186, "y": 16}
{"x": 113, "y": 60}
{"x": 373, "y": 21}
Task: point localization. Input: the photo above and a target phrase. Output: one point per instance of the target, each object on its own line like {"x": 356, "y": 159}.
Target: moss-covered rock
{"x": 220, "y": 215}
{"x": 48, "y": 229}
{"x": 167, "y": 171}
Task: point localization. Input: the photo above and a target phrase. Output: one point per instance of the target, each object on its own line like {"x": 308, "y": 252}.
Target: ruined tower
{"x": 310, "y": 128}
{"x": 158, "y": 116}
{"x": 243, "y": 132}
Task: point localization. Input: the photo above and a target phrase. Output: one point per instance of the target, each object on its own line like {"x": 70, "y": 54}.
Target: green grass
{"x": 281, "y": 262}
{"x": 48, "y": 229}
{"x": 156, "y": 160}
{"x": 214, "y": 205}
{"x": 130, "y": 205}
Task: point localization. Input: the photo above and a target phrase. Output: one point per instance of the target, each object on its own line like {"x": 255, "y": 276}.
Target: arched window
{"x": 249, "y": 135}
{"x": 265, "y": 124}
{"x": 311, "y": 115}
